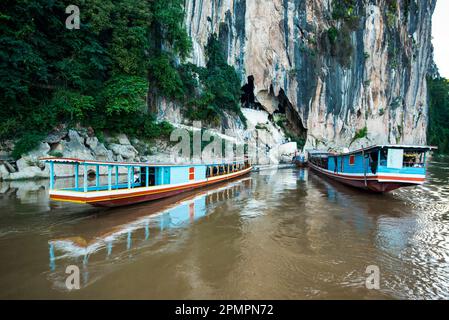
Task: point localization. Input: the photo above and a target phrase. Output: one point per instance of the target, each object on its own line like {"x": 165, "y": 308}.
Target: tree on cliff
{"x": 438, "y": 129}
{"x": 219, "y": 87}
{"x": 98, "y": 75}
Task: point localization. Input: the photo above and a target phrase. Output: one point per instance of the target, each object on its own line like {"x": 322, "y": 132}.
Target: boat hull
{"x": 372, "y": 183}
{"x": 301, "y": 164}
{"x": 115, "y": 198}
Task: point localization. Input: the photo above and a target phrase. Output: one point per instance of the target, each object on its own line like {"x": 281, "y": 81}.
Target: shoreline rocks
{"x": 81, "y": 143}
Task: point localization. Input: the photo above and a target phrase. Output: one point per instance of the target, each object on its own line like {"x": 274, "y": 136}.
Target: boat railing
{"x": 145, "y": 177}
{"x": 413, "y": 165}
{"x": 405, "y": 164}
{"x": 103, "y": 187}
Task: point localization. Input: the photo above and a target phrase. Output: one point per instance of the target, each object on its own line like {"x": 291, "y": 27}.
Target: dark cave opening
{"x": 248, "y": 99}
{"x": 294, "y": 121}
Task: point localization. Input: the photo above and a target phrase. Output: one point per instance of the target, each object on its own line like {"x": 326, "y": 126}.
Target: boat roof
{"x": 392, "y": 146}
{"x": 380, "y": 146}
{"x": 317, "y": 152}
{"x": 74, "y": 161}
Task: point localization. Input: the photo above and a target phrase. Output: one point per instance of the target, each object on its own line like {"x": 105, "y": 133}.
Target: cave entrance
{"x": 293, "y": 124}
{"x": 248, "y": 99}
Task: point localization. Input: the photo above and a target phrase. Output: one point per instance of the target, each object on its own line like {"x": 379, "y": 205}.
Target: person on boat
{"x": 136, "y": 177}
{"x": 373, "y": 161}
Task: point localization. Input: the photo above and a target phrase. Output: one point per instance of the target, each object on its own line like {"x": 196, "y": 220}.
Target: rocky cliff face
{"x": 338, "y": 70}
{"x": 334, "y": 67}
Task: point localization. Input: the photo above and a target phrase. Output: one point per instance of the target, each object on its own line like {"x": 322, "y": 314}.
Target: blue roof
{"x": 390, "y": 146}
{"x": 135, "y": 164}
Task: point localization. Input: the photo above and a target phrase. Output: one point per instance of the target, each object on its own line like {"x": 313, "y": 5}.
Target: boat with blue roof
{"x": 379, "y": 168}
{"x": 131, "y": 183}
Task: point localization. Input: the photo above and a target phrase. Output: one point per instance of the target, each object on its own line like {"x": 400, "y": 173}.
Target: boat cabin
{"x": 379, "y": 159}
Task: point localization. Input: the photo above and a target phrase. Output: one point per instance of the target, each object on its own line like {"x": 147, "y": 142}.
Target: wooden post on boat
{"x": 109, "y": 178}
{"x": 147, "y": 176}
{"x": 129, "y": 177}
{"x": 97, "y": 176}
{"x": 85, "y": 178}
{"x": 162, "y": 175}
{"x": 364, "y": 166}
{"x": 116, "y": 177}
{"x": 76, "y": 176}
{"x": 52, "y": 175}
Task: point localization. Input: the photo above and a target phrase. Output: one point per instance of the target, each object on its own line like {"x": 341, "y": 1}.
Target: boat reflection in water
{"x": 366, "y": 218}
{"x": 101, "y": 253}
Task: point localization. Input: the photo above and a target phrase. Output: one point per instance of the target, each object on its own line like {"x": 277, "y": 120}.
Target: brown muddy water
{"x": 286, "y": 234}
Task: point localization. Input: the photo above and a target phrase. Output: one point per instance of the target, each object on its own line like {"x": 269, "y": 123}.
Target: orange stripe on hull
{"x": 406, "y": 179}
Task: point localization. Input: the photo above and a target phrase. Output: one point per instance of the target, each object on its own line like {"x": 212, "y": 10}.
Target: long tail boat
{"x": 300, "y": 161}
{"x": 131, "y": 183}
{"x": 380, "y": 168}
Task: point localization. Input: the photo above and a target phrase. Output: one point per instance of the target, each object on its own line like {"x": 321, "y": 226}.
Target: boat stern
{"x": 402, "y": 165}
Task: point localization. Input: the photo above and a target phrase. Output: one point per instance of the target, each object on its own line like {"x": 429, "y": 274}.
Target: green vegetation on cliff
{"x": 219, "y": 87}
{"x": 337, "y": 39}
{"x": 359, "y": 134}
{"x": 104, "y": 74}
{"x": 438, "y": 129}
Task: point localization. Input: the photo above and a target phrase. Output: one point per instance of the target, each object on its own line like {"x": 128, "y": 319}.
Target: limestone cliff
{"x": 334, "y": 67}
{"x": 338, "y": 70}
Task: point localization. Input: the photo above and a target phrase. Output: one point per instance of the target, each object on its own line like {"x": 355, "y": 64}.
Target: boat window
{"x": 413, "y": 159}
{"x": 352, "y": 160}
{"x": 383, "y": 157}
{"x": 192, "y": 173}
{"x": 151, "y": 177}
{"x": 91, "y": 174}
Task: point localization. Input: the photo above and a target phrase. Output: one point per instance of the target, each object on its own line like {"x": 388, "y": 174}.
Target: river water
{"x": 285, "y": 234}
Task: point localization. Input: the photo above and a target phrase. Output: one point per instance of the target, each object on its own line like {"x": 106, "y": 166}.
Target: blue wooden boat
{"x": 142, "y": 182}
{"x": 380, "y": 168}
{"x": 300, "y": 160}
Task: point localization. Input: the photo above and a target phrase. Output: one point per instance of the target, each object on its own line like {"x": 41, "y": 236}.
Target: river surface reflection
{"x": 286, "y": 234}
